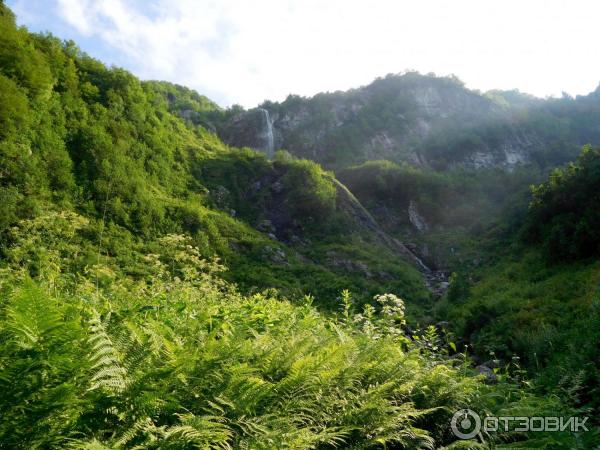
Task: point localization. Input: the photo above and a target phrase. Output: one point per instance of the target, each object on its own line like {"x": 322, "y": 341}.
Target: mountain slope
{"x": 78, "y": 136}
{"x": 425, "y": 120}
{"x": 536, "y": 295}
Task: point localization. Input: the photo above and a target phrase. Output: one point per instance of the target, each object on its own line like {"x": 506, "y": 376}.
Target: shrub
{"x": 311, "y": 191}
{"x": 564, "y": 214}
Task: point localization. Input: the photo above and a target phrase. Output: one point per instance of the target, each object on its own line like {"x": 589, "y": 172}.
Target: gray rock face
{"x": 424, "y": 120}
{"x": 416, "y": 219}
{"x": 338, "y": 260}
{"x": 274, "y": 254}
{"x": 490, "y": 376}
{"x": 253, "y": 128}
{"x": 350, "y": 205}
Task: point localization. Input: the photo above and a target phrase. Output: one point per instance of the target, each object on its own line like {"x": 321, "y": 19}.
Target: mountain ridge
{"x": 425, "y": 120}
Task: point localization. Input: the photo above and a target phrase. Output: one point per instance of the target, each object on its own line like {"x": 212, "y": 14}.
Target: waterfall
{"x": 269, "y": 138}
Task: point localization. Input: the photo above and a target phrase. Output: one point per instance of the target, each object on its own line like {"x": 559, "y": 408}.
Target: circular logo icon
{"x": 465, "y": 424}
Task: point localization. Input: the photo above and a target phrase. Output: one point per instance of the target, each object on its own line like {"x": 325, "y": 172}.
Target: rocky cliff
{"x": 428, "y": 121}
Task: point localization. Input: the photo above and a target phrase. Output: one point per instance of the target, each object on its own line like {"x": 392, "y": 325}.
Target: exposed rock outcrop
{"x": 415, "y": 218}
{"x": 436, "y": 280}
{"x": 424, "y": 120}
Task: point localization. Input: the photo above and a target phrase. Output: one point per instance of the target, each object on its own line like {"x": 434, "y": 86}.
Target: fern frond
{"x": 108, "y": 373}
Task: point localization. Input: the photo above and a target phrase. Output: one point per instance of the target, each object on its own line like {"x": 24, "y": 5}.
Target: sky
{"x": 247, "y": 51}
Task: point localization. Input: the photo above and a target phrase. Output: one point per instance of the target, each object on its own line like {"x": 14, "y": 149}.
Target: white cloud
{"x": 75, "y": 13}
{"x": 248, "y": 51}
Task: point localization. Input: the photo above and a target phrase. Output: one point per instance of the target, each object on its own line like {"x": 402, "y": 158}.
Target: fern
{"x": 108, "y": 374}
{"x": 222, "y": 371}
{"x": 40, "y": 369}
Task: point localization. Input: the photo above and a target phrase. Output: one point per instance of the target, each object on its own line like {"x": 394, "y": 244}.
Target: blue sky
{"x": 242, "y": 51}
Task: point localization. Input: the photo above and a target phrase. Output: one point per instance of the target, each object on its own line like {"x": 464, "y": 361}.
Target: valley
{"x": 339, "y": 271}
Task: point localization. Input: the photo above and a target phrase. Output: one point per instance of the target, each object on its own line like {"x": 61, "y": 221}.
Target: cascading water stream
{"x": 269, "y": 138}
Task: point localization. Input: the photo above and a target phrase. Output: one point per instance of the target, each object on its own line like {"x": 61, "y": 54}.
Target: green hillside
{"x": 82, "y": 137}
{"x": 537, "y": 297}
{"x": 523, "y": 262}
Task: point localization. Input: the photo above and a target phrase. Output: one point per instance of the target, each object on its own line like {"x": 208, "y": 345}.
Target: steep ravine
{"x": 435, "y": 280}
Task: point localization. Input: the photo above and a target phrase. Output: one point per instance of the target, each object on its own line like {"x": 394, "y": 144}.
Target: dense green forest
{"x": 80, "y": 136}
{"x": 162, "y": 289}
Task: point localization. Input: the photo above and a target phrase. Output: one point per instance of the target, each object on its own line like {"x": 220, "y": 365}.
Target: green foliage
{"x": 183, "y": 360}
{"x": 565, "y": 211}
{"x": 311, "y": 192}
{"x": 458, "y": 288}
{"x": 459, "y": 207}
{"x": 543, "y": 310}
{"x": 504, "y": 298}
{"x": 457, "y": 198}
{"x": 76, "y": 136}
{"x": 42, "y": 368}
{"x": 121, "y": 328}
{"x": 186, "y": 103}
{"x": 519, "y": 306}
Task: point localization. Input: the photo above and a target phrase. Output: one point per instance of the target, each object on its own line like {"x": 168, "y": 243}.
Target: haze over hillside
{"x": 427, "y": 121}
